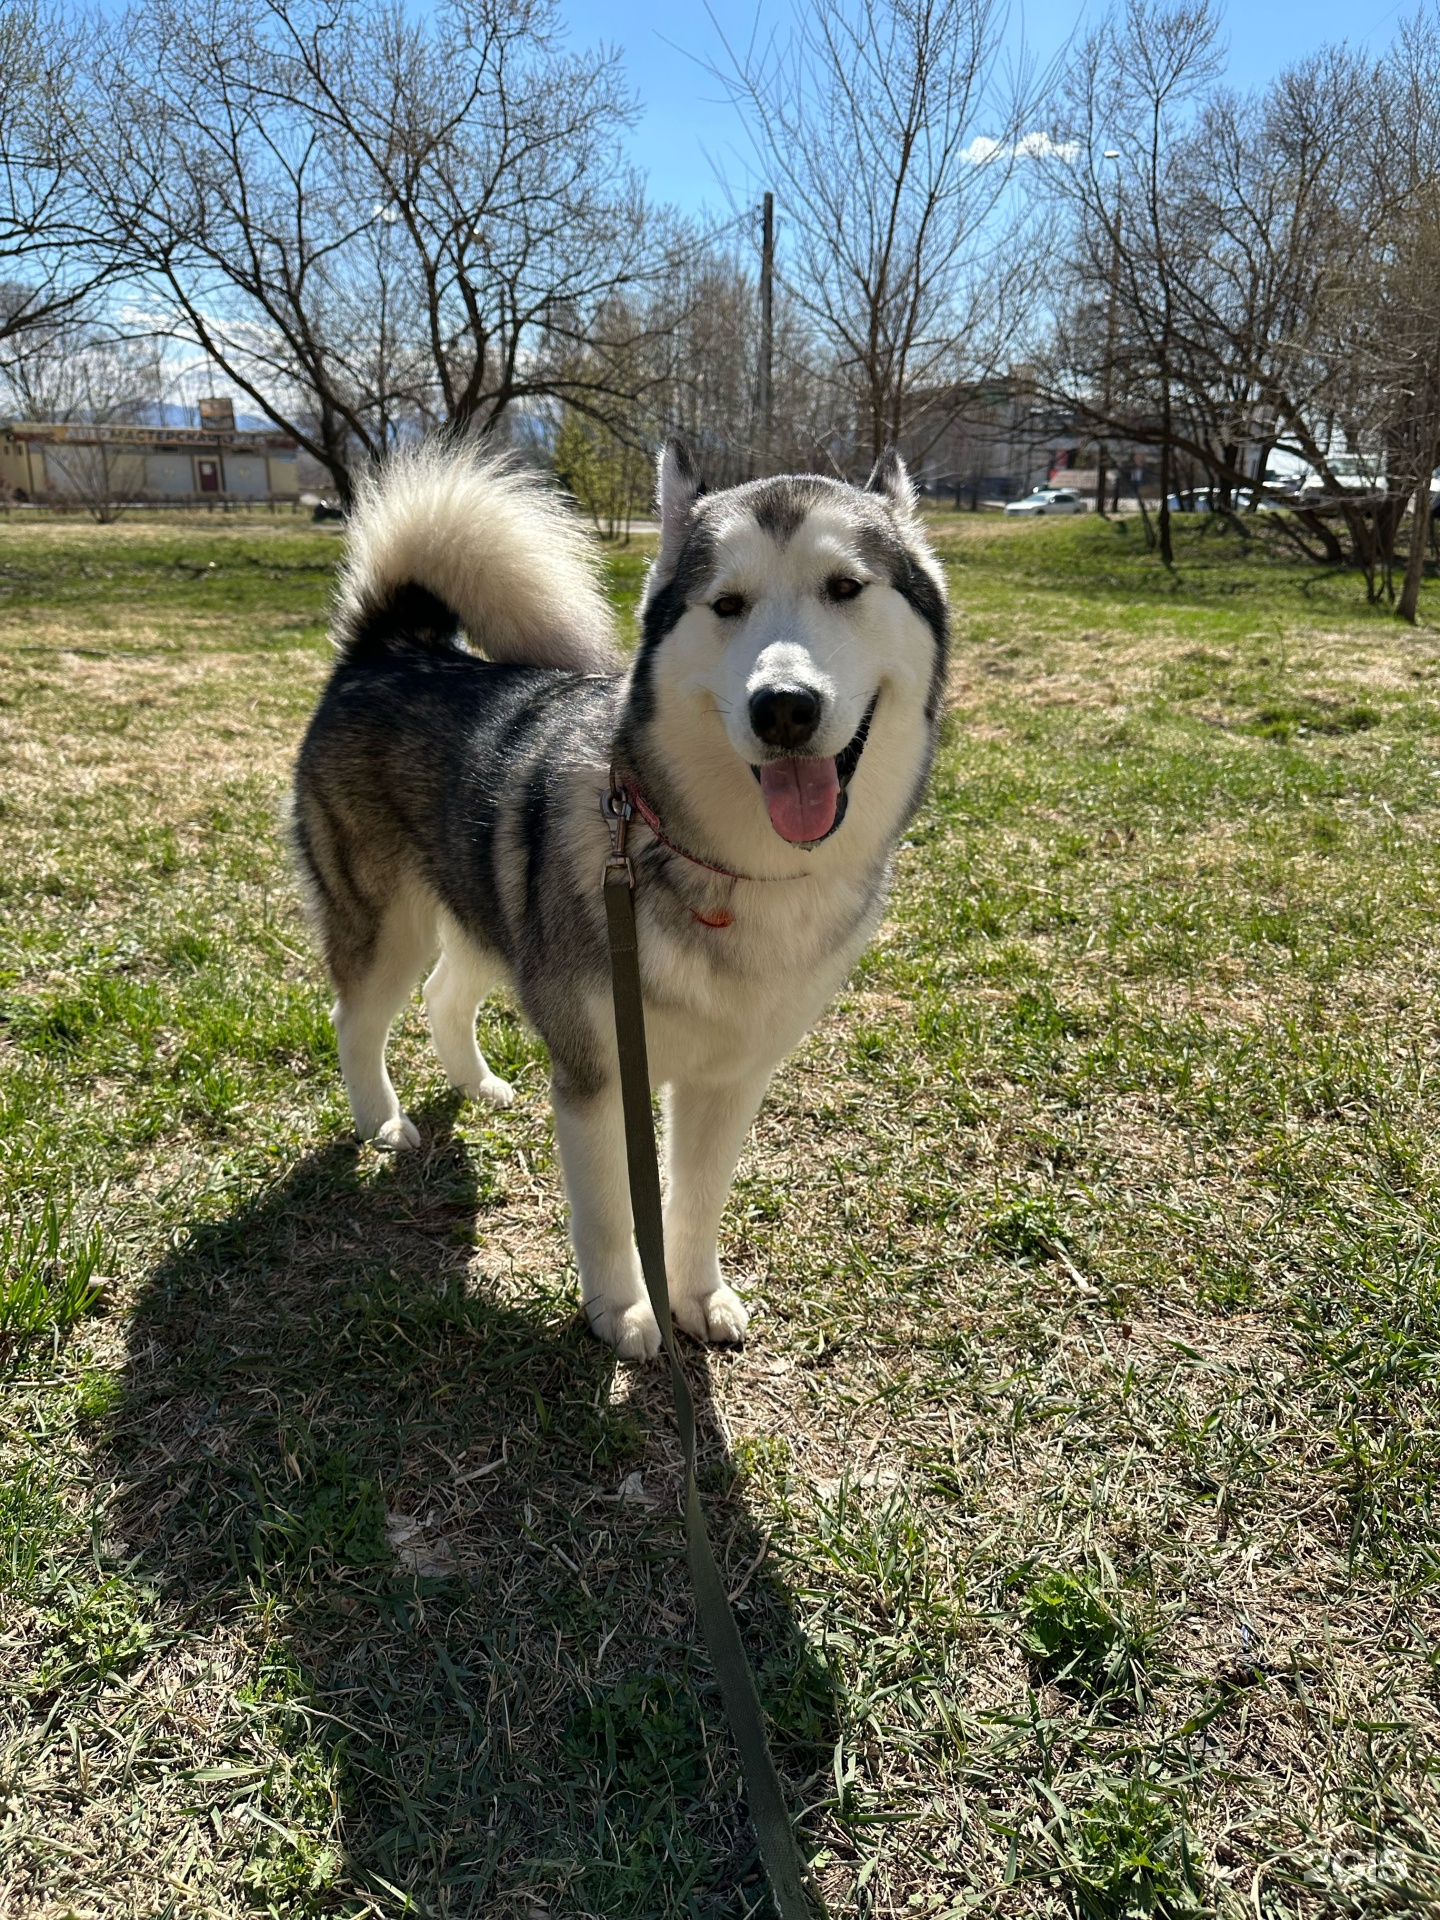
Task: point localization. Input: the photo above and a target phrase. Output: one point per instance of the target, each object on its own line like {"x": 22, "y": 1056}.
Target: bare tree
{"x": 684, "y": 348}
{"x": 371, "y": 223}
{"x": 706, "y": 380}
{"x": 1406, "y": 303}
{"x": 48, "y": 266}
{"x": 1242, "y": 254}
{"x": 891, "y": 134}
{"x": 1303, "y": 310}
{"x": 86, "y": 378}
{"x": 1282, "y": 231}
{"x": 1290, "y": 204}
{"x": 1413, "y": 338}
{"x": 1131, "y": 95}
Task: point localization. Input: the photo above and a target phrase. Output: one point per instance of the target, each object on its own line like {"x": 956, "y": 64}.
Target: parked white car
{"x": 1048, "y": 500}
{"x": 1360, "y": 479}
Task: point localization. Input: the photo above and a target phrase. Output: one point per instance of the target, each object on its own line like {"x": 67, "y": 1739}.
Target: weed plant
{"x": 1082, "y": 1636}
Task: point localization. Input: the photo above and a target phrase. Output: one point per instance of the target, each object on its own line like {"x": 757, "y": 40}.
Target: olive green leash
{"x": 768, "y": 1814}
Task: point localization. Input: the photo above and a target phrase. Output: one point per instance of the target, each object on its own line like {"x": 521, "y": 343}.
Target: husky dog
{"x": 773, "y": 732}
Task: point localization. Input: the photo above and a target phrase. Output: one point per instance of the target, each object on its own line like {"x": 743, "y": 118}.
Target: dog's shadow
{"x": 442, "y": 1526}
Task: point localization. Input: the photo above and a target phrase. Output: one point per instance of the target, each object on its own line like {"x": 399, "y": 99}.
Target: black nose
{"x": 784, "y": 716}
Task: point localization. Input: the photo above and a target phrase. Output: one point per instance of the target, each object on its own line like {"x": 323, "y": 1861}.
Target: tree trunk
{"x": 1419, "y": 540}
{"x": 1145, "y": 519}
{"x": 1229, "y": 453}
{"x": 1334, "y": 552}
{"x": 1388, "y": 517}
{"x": 1167, "y": 459}
{"x": 1364, "y": 544}
{"x": 1167, "y": 551}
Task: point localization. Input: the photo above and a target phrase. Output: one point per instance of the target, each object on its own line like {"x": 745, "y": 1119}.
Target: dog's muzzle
{"x": 806, "y": 796}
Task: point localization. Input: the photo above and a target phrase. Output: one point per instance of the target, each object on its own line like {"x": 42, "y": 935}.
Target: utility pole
{"x": 767, "y": 334}
{"x": 1111, "y": 154}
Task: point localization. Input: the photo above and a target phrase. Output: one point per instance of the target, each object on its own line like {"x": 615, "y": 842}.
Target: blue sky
{"x": 686, "y": 124}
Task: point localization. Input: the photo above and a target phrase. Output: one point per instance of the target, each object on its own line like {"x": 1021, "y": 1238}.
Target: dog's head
{"x": 793, "y": 628}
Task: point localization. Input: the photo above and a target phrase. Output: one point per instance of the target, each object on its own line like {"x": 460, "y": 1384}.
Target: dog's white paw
{"x": 631, "y": 1330}
{"x": 396, "y": 1136}
{"x": 718, "y": 1317}
{"x": 494, "y": 1091}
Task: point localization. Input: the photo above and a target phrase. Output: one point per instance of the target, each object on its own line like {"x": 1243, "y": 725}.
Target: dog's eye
{"x": 842, "y": 587}
{"x": 729, "y": 606}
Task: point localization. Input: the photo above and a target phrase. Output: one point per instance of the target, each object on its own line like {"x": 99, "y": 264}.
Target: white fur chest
{"x": 725, "y": 999}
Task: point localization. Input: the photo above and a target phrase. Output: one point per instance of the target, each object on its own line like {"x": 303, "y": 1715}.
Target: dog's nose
{"x": 784, "y": 716}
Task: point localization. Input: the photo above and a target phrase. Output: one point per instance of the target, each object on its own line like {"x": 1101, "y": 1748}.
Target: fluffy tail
{"x": 446, "y": 536}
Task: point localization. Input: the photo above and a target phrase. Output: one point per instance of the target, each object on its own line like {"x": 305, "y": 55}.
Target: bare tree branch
{"x": 891, "y": 131}
{"x": 48, "y": 263}
{"x": 372, "y": 224}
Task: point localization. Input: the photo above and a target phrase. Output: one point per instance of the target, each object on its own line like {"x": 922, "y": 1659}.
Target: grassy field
{"x": 1078, "y": 1483}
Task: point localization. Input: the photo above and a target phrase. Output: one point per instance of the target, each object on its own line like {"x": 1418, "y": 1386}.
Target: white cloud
{"x": 1030, "y": 146}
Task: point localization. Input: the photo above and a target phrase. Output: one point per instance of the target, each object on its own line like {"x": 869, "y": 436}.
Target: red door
{"x": 209, "y": 475}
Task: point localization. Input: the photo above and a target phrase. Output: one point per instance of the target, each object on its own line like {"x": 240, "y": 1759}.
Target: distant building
{"x": 993, "y": 439}
{"x": 64, "y": 463}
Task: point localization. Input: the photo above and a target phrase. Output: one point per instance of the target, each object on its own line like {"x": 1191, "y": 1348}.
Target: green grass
{"x": 48, "y": 1276}
{"x": 1078, "y": 1483}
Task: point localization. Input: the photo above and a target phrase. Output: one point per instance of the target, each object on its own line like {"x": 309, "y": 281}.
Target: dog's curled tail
{"x": 449, "y": 536}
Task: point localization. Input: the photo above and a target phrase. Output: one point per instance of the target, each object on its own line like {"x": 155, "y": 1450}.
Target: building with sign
{"x": 66, "y": 463}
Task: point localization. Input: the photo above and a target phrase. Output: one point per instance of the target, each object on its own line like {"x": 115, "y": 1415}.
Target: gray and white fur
{"x": 778, "y": 720}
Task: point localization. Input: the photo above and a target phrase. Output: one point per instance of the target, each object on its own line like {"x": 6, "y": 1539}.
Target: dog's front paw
{"x": 397, "y": 1135}
{"x": 494, "y": 1091}
{"x": 718, "y": 1317}
{"x": 631, "y": 1331}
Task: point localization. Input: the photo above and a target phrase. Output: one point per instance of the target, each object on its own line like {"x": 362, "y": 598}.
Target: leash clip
{"x": 617, "y": 811}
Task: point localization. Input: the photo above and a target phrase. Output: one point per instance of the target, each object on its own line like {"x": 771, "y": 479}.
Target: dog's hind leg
{"x": 706, "y": 1125}
{"x": 452, "y": 999}
{"x": 369, "y": 998}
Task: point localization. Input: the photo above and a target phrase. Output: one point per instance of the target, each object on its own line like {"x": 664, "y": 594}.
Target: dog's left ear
{"x": 889, "y": 479}
{"x": 677, "y": 485}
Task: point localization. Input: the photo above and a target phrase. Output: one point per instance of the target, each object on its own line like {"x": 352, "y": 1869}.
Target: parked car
{"x": 1360, "y": 479}
{"x": 1281, "y": 486}
{"x": 1048, "y": 500}
{"x": 1208, "y": 500}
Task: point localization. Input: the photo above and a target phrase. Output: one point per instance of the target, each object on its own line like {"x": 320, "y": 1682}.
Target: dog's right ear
{"x": 890, "y": 478}
{"x": 677, "y": 485}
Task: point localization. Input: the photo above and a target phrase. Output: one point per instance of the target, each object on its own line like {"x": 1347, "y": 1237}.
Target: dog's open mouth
{"x": 806, "y": 798}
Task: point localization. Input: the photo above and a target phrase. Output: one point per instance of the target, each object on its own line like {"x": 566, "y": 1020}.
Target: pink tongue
{"x": 801, "y": 797}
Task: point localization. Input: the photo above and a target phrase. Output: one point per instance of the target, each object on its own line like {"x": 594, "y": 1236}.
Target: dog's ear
{"x": 677, "y": 484}
{"x": 890, "y": 480}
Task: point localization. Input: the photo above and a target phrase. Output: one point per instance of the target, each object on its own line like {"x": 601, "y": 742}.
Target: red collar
{"x": 720, "y": 917}
{"x": 652, "y": 820}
